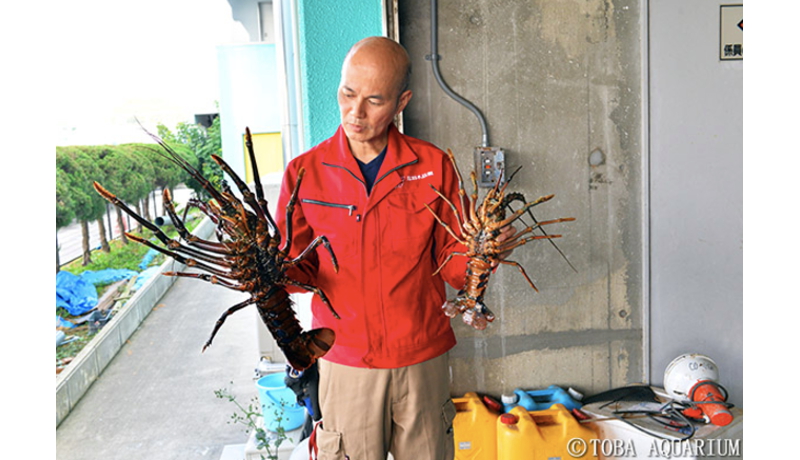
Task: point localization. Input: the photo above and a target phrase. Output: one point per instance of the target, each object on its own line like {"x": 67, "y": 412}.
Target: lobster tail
{"x": 312, "y": 345}
{"x": 320, "y": 341}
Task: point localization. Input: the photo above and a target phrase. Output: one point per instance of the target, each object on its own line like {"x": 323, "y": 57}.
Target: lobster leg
{"x": 224, "y": 316}
{"x": 160, "y": 235}
{"x": 205, "y": 208}
{"x": 192, "y": 240}
{"x": 316, "y": 291}
{"x": 449, "y": 256}
{"x": 473, "y": 210}
{"x": 287, "y": 247}
{"x": 493, "y": 203}
{"x": 522, "y": 270}
{"x": 518, "y": 213}
{"x": 511, "y": 243}
{"x": 213, "y": 279}
{"x": 177, "y": 222}
{"x": 444, "y": 224}
{"x": 314, "y": 244}
{"x": 120, "y": 204}
{"x": 180, "y": 258}
{"x": 503, "y": 247}
{"x": 461, "y": 192}
{"x": 247, "y": 195}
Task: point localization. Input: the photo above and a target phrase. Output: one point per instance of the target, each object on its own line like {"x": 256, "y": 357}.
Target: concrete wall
{"x": 559, "y": 83}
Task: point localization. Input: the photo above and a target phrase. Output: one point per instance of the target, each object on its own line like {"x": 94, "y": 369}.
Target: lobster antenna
{"x": 180, "y": 161}
{"x": 530, "y": 213}
{"x": 248, "y": 139}
{"x": 563, "y": 256}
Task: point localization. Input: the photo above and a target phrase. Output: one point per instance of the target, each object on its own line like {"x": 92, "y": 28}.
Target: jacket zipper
{"x": 350, "y": 207}
{"x": 393, "y": 170}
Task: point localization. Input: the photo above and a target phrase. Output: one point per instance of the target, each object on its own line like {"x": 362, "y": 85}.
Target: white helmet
{"x": 686, "y": 371}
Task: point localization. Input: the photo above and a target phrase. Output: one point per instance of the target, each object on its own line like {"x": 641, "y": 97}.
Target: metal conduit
{"x": 434, "y": 58}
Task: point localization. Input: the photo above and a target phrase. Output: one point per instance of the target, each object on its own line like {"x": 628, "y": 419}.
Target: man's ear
{"x": 403, "y": 101}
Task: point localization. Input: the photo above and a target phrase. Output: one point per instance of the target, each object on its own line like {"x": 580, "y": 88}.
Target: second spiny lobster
{"x": 480, "y": 227}
{"x": 247, "y": 255}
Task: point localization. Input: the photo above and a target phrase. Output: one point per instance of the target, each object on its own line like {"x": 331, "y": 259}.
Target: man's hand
{"x": 506, "y": 233}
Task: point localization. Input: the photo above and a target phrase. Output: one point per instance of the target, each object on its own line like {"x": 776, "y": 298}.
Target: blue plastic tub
{"x": 279, "y": 404}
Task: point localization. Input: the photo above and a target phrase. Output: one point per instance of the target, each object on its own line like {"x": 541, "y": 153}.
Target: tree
{"x": 65, "y": 208}
{"x": 80, "y": 170}
{"x": 131, "y": 172}
{"x": 129, "y": 177}
{"x": 98, "y": 153}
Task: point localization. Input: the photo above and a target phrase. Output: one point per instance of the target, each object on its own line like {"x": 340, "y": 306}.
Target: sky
{"x": 151, "y": 60}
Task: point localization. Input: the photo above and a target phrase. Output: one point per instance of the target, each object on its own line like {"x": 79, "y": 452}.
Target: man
{"x": 384, "y": 385}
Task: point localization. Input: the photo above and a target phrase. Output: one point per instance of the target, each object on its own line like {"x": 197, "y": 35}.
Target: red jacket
{"x": 387, "y": 244}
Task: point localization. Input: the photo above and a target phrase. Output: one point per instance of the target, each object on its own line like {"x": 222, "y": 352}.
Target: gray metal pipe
{"x": 434, "y": 58}
{"x": 163, "y": 220}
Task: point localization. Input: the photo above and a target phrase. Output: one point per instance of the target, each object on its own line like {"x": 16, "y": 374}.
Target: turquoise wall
{"x": 326, "y": 31}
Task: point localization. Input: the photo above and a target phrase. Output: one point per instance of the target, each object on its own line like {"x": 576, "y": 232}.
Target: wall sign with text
{"x": 731, "y": 25}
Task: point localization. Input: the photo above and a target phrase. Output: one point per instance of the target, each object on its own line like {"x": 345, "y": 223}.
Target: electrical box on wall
{"x": 489, "y": 166}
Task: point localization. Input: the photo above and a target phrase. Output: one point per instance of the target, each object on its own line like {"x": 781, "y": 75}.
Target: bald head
{"x": 386, "y": 54}
{"x": 371, "y": 93}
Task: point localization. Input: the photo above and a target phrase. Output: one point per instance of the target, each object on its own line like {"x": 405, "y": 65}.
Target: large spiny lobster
{"x": 247, "y": 255}
{"x": 480, "y": 227}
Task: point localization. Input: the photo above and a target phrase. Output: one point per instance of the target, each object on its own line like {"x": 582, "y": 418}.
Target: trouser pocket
{"x": 329, "y": 444}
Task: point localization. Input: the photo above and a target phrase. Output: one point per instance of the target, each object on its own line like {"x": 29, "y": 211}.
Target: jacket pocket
{"x": 336, "y": 220}
{"x": 410, "y": 218}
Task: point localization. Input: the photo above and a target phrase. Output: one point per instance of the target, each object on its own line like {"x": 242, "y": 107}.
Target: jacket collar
{"x": 398, "y": 155}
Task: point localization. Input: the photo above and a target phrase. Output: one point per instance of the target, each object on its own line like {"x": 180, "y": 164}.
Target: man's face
{"x": 368, "y": 101}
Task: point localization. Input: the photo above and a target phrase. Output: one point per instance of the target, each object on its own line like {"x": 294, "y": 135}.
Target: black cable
{"x": 666, "y": 411}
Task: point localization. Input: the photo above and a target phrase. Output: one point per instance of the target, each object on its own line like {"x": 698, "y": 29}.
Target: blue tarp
{"x": 78, "y": 295}
{"x": 74, "y": 294}
{"x": 148, "y": 257}
{"x": 107, "y": 276}
{"x": 61, "y": 322}
{"x": 144, "y": 276}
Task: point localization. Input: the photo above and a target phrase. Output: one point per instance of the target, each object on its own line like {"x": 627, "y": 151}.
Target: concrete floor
{"x": 156, "y": 399}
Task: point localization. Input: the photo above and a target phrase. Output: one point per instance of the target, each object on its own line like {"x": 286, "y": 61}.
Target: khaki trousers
{"x": 369, "y": 412}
